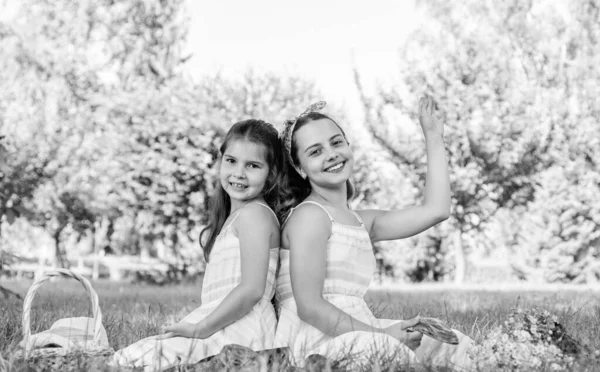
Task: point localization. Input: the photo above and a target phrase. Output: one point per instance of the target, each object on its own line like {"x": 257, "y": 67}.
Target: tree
{"x": 491, "y": 71}
{"x": 10, "y": 206}
{"x": 58, "y": 79}
{"x": 559, "y": 234}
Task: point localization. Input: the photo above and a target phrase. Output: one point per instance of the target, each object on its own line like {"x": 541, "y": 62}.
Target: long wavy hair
{"x": 296, "y": 188}
{"x": 258, "y": 132}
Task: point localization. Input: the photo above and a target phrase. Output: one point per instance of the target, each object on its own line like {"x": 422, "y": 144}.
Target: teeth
{"x": 238, "y": 185}
{"x": 339, "y": 166}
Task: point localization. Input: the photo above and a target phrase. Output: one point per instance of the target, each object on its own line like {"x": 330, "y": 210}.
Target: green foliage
{"x": 18, "y": 180}
{"x": 57, "y": 80}
{"x": 560, "y": 235}
{"x": 431, "y": 262}
{"x": 506, "y": 78}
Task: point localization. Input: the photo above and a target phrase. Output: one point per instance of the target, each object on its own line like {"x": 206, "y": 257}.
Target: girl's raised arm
{"x": 256, "y": 229}
{"x": 307, "y": 232}
{"x": 390, "y": 225}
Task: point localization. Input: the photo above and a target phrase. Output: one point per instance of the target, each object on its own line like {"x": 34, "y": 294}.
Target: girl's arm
{"x": 255, "y": 228}
{"x": 390, "y": 225}
{"x": 307, "y": 232}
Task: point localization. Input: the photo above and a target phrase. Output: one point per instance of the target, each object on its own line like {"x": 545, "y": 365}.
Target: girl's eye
{"x": 315, "y": 152}
{"x": 252, "y": 165}
{"x": 338, "y": 142}
{"x": 230, "y": 161}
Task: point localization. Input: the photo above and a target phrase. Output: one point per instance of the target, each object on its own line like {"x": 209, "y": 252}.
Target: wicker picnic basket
{"x": 77, "y": 353}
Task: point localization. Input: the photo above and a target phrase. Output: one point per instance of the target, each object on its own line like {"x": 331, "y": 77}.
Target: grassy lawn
{"x": 132, "y": 312}
{"x": 476, "y": 311}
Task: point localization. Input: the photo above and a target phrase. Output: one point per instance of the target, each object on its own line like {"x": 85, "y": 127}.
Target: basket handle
{"x": 37, "y": 284}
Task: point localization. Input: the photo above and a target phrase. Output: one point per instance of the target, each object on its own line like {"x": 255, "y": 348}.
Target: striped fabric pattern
{"x": 350, "y": 264}
{"x": 223, "y": 272}
{"x": 349, "y": 268}
{"x": 255, "y": 330}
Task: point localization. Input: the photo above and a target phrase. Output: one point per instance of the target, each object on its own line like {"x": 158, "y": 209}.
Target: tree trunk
{"x": 101, "y": 232}
{"x": 460, "y": 260}
{"x": 145, "y": 244}
{"x": 96, "y": 250}
{"x": 59, "y": 258}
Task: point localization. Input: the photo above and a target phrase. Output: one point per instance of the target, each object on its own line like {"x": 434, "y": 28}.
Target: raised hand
{"x": 403, "y": 332}
{"x": 429, "y": 123}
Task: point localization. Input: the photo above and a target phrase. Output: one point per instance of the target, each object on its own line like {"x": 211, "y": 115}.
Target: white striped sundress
{"x": 255, "y": 330}
{"x": 349, "y": 268}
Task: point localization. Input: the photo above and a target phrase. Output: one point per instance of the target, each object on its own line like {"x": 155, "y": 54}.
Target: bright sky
{"x": 319, "y": 40}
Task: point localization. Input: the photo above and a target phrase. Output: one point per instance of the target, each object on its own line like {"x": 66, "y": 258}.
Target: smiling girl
{"x": 327, "y": 258}
{"x": 241, "y": 247}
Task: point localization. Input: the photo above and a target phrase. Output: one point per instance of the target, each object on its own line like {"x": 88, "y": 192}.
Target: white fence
{"x": 114, "y": 267}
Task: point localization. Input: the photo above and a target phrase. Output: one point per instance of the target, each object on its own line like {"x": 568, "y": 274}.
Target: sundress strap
{"x": 317, "y": 204}
{"x": 358, "y": 218}
{"x": 269, "y": 208}
{"x": 325, "y": 210}
{"x": 231, "y": 221}
{"x": 237, "y": 214}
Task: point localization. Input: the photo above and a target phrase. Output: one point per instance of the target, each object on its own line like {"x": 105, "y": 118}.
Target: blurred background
{"x": 111, "y": 113}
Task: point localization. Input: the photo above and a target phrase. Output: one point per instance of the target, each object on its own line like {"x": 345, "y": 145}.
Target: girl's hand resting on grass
{"x": 179, "y": 329}
{"x": 403, "y": 332}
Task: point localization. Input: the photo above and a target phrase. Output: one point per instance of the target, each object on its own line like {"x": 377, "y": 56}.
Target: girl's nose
{"x": 239, "y": 172}
{"x": 332, "y": 154}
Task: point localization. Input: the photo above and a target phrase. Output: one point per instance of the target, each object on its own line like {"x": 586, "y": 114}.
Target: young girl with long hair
{"x": 327, "y": 261}
{"x": 241, "y": 247}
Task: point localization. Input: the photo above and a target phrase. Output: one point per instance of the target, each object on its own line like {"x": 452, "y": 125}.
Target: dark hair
{"x": 297, "y": 188}
{"x": 258, "y": 132}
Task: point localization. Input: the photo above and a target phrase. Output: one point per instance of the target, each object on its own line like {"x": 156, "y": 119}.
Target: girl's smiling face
{"x": 323, "y": 153}
{"x": 243, "y": 171}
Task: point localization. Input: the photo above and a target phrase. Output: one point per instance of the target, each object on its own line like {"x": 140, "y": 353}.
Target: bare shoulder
{"x": 308, "y": 218}
{"x": 257, "y": 216}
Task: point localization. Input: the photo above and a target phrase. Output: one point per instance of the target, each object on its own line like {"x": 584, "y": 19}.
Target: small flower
{"x": 522, "y": 336}
{"x": 524, "y": 342}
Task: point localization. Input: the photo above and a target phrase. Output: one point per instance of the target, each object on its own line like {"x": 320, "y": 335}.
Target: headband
{"x": 290, "y": 124}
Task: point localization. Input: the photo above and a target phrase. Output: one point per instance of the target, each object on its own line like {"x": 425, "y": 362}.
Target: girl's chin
{"x": 344, "y": 173}
{"x": 241, "y": 196}
{"x": 333, "y": 180}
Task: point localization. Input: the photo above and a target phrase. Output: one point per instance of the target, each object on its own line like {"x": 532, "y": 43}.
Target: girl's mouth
{"x": 236, "y": 185}
{"x": 335, "y": 168}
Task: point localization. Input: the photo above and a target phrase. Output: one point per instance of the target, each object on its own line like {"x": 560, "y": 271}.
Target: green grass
{"x": 475, "y": 312}
{"x": 132, "y": 312}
